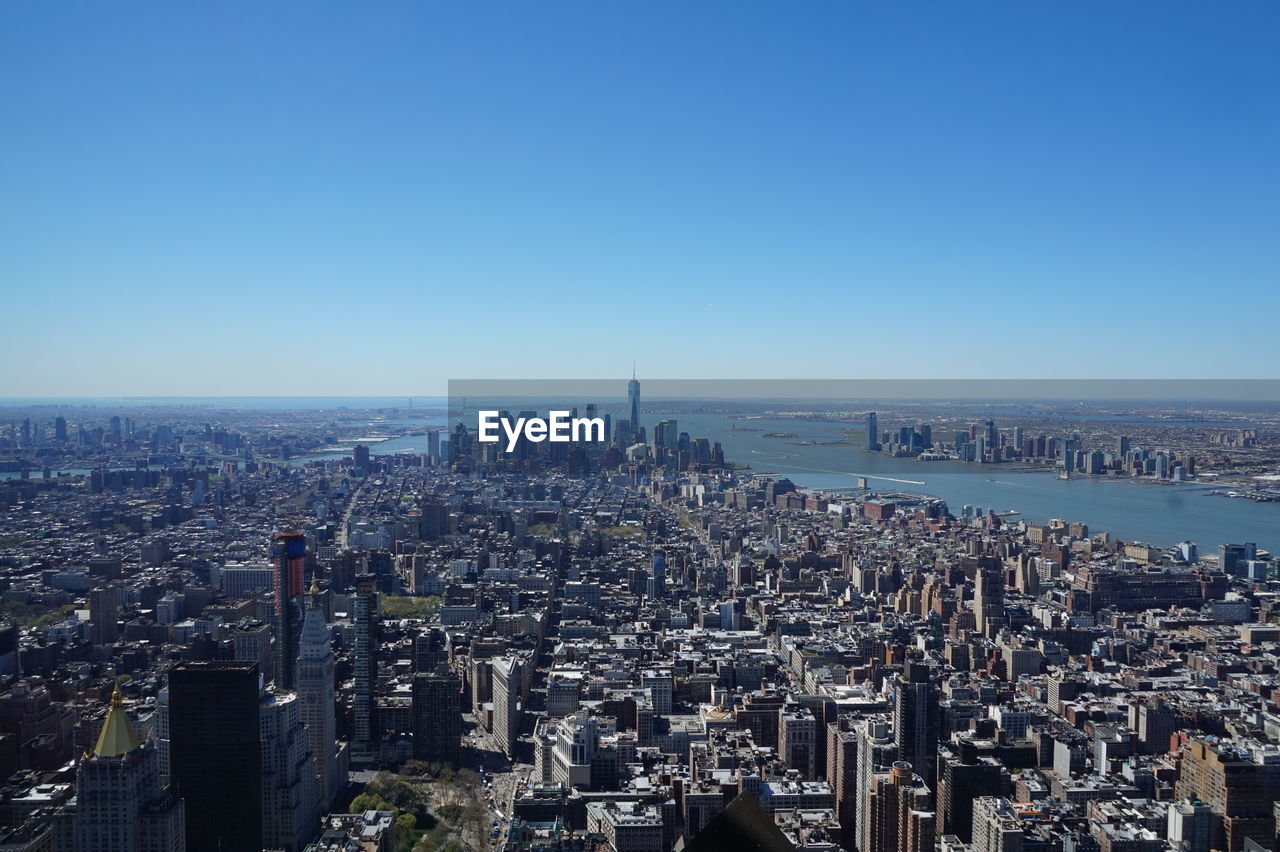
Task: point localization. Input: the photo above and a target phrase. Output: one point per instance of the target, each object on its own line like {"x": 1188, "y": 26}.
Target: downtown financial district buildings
{"x": 645, "y": 634}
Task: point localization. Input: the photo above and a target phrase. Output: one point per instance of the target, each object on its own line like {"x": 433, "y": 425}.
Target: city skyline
{"x": 896, "y": 181}
{"x": 910, "y": 483}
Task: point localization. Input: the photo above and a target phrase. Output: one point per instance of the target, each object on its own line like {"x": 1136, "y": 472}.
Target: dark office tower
{"x": 633, "y": 398}
{"x": 104, "y": 606}
{"x": 288, "y": 552}
{"x": 215, "y": 754}
{"x": 120, "y": 803}
{"x": 993, "y": 438}
{"x": 360, "y": 457}
{"x": 433, "y": 520}
{"x": 26, "y": 431}
{"x": 1122, "y": 446}
{"x": 988, "y": 597}
{"x": 115, "y": 427}
{"x": 1233, "y": 559}
{"x": 364, "y": 615}
{"x": 926, "y": 435}
{"x": 917, "y": 719}
{"x": 665, "y": 434}
{"x": 658, "y": 580}
{"x": 1156, "y": 724}
{"x": 962, "y": 779}
{"x": 873, "y": 432}
{"x": 437, "y": 716}
{"x": 430, "y": 650}
{"x": 60, "y": 429}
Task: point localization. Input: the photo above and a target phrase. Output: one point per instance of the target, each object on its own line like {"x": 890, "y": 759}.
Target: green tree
{"x": 405, "y": 833}
{"x": 370, "y": 802}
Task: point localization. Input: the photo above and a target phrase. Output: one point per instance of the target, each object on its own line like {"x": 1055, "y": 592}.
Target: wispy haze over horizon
{"x": 324, "y": 199}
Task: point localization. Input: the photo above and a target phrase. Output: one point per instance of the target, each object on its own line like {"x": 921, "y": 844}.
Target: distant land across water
{"x": 1159, "y": 514}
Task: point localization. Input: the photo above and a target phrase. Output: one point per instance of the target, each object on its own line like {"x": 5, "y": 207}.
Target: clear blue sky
{"x": 312, "y": 198}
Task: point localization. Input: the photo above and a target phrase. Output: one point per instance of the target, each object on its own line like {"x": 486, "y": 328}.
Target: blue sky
{"x": 315, "y": 198}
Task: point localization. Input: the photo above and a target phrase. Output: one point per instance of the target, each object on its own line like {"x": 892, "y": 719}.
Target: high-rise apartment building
{"x": 996, "y": 827}
{"x": 1242, "y": 791}
{"x": 364, "y": 615}
{"x": 900, "y": 810}
{"x": 876, "y": 753}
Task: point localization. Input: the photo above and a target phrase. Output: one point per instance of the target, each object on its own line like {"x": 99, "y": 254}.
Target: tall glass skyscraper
{"x": 216, "y": 754}
{"x": 288, "y": 553}
{"x": 633, "y": 396}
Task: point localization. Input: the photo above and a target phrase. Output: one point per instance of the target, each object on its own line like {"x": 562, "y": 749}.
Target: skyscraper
{"x": 900, "y": 809}
{"x": 656, "y": 586}
{"x": 364, "y": 613}
{"x": 873, "y": 432}
{"x": 988, "y": 597}
{"x": 962, "y": 778}
{"x": 290, "y": 789}
{"x": 876, "y": 751}
{"x": 1241, "y": 790}
{"x": 216, "y": 754}
{"x": 797, "y": 739}
{"x": 103, "y": 611}
{"x": 315, "y": 695}
{"x": 917, "y": 719}
{"x": 120, "y": 803}
{"x": 665, "y": 434}
{"x": 633, "y": 397}
{"x": 437, "y": 716}
{"x": 507, "y": 712}
{"x": 842, "y": 774}
{"x": 288, "y": 552}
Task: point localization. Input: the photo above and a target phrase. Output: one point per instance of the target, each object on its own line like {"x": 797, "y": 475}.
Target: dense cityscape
{"x": 224, "y": 631}
{"x": 639, "y": 426}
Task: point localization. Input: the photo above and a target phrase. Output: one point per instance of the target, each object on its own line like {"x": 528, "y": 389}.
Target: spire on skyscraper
{"x": 118, "y": 736}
